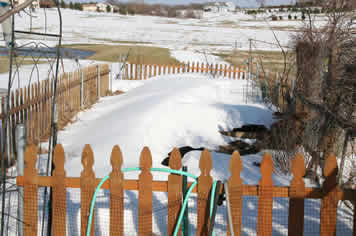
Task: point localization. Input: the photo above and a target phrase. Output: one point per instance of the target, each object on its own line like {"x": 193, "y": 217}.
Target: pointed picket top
{"x": 205, "y": 163}
{"x": 59, "y": 159}
{"x": 145, "y": 159}
{"x": 266, "y": 170}
{"x": 330, "y": 168}
{"x": 116, "y": 159}
{"x": 235, "y": 166}
{"x": 175, "y": 160}
{"x": 298, "y": 167}
{"x": 31, "y": 159}
{"x": 87, "y": 161}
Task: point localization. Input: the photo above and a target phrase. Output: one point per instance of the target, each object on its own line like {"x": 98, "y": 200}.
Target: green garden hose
{"x": 185, "y": 203}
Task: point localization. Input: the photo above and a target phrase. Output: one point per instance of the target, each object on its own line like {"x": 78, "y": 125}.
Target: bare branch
{"x": 15, "y": 10}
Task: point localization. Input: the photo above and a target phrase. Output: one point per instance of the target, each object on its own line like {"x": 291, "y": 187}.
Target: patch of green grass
{"x": 142, "y": 54}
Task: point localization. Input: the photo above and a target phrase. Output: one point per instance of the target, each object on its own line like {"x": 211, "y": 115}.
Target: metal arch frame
{"x": 53, "y": 133}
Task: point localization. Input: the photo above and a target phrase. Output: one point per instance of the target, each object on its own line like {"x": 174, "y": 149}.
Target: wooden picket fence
{"x": 146, "y": 71}
{"x": 32, "y": 105}
{"x": 330, "y": 194}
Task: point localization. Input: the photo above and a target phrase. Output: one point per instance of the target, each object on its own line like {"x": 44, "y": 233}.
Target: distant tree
{"x": 63, "y": 4}
{"x": 77, "y": 6}
{"x": 108, "y": 8}
{"x": 123, "y": 10}
{"x": 281, "y": 17}
{"x": 71, "y": 6}
{"x": 295, "y": 17}
{"x": 303, "y": 15}
{"x": 289, "y": 17}
{"x": 131, "y": 11}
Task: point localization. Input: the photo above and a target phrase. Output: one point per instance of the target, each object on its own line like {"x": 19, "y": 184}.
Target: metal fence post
{"x": 98, "y": 92}
{"x": 7, "y": 135}
{"x": 82, "y": 92}
{"x": 185, "y": 224}
{"x": 21, "y": 143}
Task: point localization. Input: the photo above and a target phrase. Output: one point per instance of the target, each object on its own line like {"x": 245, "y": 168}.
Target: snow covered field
{"x": 213, "y": 33}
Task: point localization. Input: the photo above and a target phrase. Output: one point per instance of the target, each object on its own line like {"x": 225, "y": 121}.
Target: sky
{"x": 240, "y": 3}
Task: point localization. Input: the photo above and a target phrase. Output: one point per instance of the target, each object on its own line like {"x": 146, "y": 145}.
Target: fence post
{"x": 116, "y": 182}
{"x": 87, "y": 188}
{"x": 82, "y": 91}
{"x": 174, "y": 192}
{"x": 98, "y": 87}
{"x": 185, "y": 224}
{"x": 7, "y": 134}
{"x": 110, "y": 77}
{"x": 20, "y": 147}
{"x": 145, "y": 194}
{"x": 30, "y": 192}
{"x": 59, "y": 198}
{"x": 296, "y": 201}
{"x": 205, "y": 182}
{"x": 328, "y": 211}
{"x": 235, "y": 193}
{"x": 265, "y": 197}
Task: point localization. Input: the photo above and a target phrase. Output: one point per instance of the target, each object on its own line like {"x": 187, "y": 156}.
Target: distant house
{"x": 46, "y": 4}
{"x": 220, "y": 7}
{"x": 99, "y": 7}
{"x": 190, "y": 14}
{"x": 89, "y": 7}
{"x": 34, "y": 4}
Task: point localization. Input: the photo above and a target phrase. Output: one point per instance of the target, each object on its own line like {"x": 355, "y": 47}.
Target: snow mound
{"x": 160, "y": 114}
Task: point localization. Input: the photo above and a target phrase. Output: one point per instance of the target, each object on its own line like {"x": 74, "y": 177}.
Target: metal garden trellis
{"x": 33, "y": 50}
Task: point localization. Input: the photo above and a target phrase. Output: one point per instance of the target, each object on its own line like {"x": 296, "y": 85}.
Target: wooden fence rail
{"x": 329, "y": 194}
{"x": 31, "y": 105}
{"x": 146, "y": 71}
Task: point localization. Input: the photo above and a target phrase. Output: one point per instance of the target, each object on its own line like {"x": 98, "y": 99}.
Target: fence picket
{"x": 230, "y": 71}
{"x": 116, "y": 182}
{"x": 205, "y": 182}
{"x": 174, "y": 192}
{"x": 235, "y": 192}
{"x": 12, "y": 125}
{"x": 30, "y": 192}
{"x": 87, "y": 187}
{"x": 22, "y": 113}
{"x": 145, "y": 194}
{"x": 59, "y": 202}
{"x": 265, "y": 197}
{"x": 131, "y": 71}
{"x": 296, "y": 202}
{"x": 145, "y": 72}
{"x": 328, "y": 211}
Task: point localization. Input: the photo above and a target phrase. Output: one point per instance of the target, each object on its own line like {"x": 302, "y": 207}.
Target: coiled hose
{"x": 185, "y": 202}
